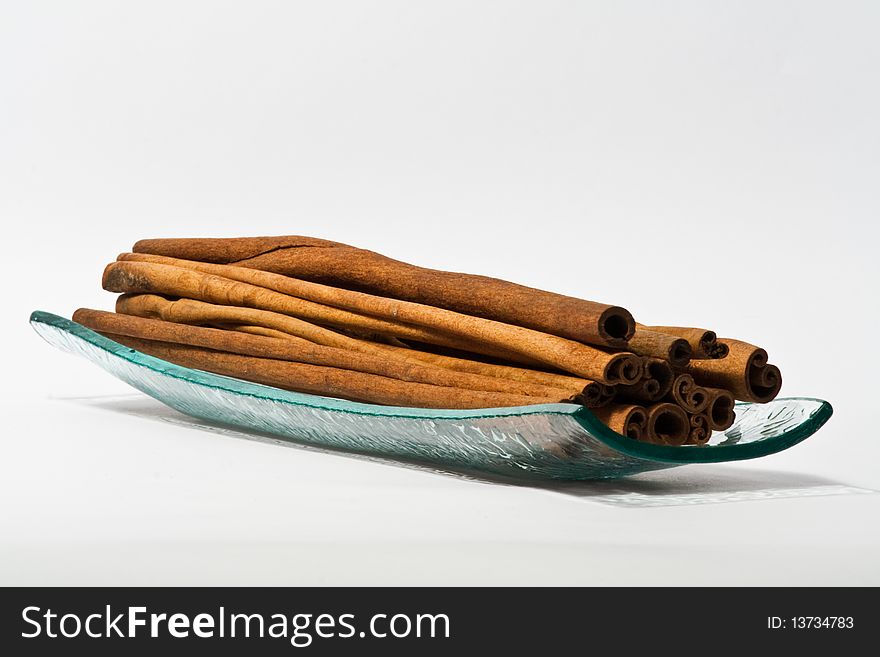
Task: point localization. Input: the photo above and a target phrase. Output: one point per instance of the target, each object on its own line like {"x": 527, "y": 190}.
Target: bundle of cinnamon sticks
{"x": 325, "y": 318}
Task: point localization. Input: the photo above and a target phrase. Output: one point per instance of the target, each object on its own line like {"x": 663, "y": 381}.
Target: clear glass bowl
{"x": 544, "y": 441}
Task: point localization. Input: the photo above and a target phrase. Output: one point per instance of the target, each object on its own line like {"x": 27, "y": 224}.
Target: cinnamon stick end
{"x": 680, "y": 353}
{"x": 616, "y": 326}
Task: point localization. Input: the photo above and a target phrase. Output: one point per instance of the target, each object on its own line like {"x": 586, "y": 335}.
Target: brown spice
{"x": 303, "y": 351}
{"x": 676, "y": 351}
{"x": 655, "y": 385}
{"x": 345, "y": 266}
{"x": 325, "y": 381}
{"x": 701, "y": 430}
{"x": 744, "y": 372}
{"x": 567, "y": 355}
{"x": 626, "y": 419}
{"x": 687, "y": 394}
{"x": 720, "y": 409}
{"x": 591, "y": 393}
{"x": 188, "y": 311}
{"x": 667, "y": 424}
{"x": 704, "y": 343}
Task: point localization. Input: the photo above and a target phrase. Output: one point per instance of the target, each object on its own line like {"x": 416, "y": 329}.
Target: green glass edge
{"x": 710, "y": 453}
{"x": 582, "y": 415}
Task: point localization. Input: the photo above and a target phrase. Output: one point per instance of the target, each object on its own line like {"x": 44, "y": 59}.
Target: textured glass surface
{"x": 545, "y": 441}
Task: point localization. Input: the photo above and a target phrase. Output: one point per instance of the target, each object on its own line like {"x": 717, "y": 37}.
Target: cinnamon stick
{"x": 667, "y": 424}
{"x": 396, "y": 318}
{"x": 626, "y": 419}
{"x": 253, "y": 330}
{"x": 302, "y": 351}
{"x": 359, "y": 315}
{"x": 660, "y": 371}
{"x": 591, "y": 392}
{"x": 606, "y": 395}
{"x": 719, "y": 350}
{"x": 701, "y": 430}
{"x": 703, "y": 342}
{"x": 327, "y": 318}
{"x": 189, "y": 311}
{"x": 337, "y": 264}
{"x": 687, "y": 394}
{"x": 720, "y": 409}
{"x": 325, "y": 381}
{"x": 645, "y": 390}
{"x": 744, "y": 372}
{"x": 655, "y": 385}
{"x": 351, "y": 322}
{"x": 567, "y": 355}
{"x": 673, "y": 349}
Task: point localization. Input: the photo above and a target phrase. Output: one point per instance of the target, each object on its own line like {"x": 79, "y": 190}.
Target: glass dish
{"x": 544, "y": 441}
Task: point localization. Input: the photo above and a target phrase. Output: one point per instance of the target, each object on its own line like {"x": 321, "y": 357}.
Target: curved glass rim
{"x": 581, "y": 414}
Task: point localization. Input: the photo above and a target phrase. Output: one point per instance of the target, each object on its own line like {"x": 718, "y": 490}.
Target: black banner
{"x": 428, "y": 621}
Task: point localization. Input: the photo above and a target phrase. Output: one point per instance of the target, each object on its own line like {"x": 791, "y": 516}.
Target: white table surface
{"x": 115, "y": 488}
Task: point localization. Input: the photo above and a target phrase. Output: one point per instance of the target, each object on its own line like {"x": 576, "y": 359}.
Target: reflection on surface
{"x": 705, "y": 484}
{"x": 695, "y": 484}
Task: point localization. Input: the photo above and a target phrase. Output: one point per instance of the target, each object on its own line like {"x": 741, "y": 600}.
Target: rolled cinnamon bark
{"x": 719, "y": 350}
{"x": 341, "y": 319}
{"x": 703, "y": 342}
{"x": 660, "y": 371}
{"x": 670, "y": 348}
{"x": 667, "y": 424}
{"x": 253, "y": 330}
{"x": 341, "y": 265}
{"x": 646, "y": 390}
{"x": 606, "y": 395}
{"x": 302, "y": 351}
{"x": 567, "y": 355}
{"x": 701, "y": 430}
{"x": 358, "y": 315}
{"x": 687, "y": 394}
{"x": 325, "y": 381}
{"x": 655, "y": 385}
{"x": 189, "y": 311}
{"x": 744, "y": 372}
{"x": 592, "y": 392}
{"x": 720, "y": 409}
{"x": 628, "y": 420}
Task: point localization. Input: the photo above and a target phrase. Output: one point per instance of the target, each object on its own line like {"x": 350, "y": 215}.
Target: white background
{"x": 707, "y": 163}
